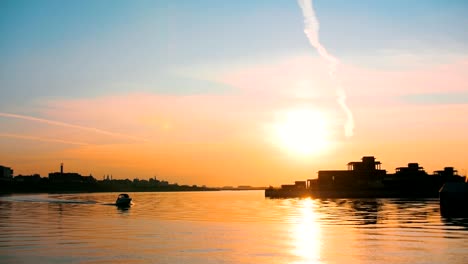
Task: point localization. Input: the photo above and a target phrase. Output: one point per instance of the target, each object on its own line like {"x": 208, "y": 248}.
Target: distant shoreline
{"x": 18, "y": 188}
{"x": 15, "y": 187}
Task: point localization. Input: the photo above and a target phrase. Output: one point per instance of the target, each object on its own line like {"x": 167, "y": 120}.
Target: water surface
{"x": 226, "y": 227}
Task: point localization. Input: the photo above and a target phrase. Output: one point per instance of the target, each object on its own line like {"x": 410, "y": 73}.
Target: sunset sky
{"x": 230, "y": 92}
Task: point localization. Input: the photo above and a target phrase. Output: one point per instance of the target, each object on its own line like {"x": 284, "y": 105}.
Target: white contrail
{"x": 311, "y": 29}
{"x": 43, "y": 139}
{"x": 63, "y": 124}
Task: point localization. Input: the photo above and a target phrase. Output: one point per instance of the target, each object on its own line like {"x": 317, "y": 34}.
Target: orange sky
{"x": 228, "y": 140}
{"x": 231, "y": 93}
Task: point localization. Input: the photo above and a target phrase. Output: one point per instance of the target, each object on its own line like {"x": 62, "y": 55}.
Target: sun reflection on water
{"x": 306, "y": 233}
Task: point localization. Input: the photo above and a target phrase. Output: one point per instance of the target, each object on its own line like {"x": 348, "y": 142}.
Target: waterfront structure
{"x": 6, "y": 173}
{"x": 365, "y": 178}
{"x": 69, "y": 177}
{"x": 359, "y": 173}
{"x": 36, "y": 178}
{"x": 74, "y": 182}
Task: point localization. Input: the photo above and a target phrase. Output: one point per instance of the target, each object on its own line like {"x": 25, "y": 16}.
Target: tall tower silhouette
{"x": 61, "y": 168}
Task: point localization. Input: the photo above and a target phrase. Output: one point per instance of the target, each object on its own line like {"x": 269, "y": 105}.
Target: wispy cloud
{"x": 26, "y": 137}
{"x": 68, "y": 125}
{"x": 311, "y": 30}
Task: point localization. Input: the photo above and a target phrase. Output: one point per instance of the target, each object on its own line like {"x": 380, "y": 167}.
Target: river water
{"x": 226, "y": 227}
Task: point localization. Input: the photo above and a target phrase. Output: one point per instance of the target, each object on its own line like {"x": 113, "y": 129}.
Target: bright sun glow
{"x": 301, "y": 131}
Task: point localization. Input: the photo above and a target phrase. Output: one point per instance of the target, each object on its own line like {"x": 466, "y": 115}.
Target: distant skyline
{"x": 225, "y": 93}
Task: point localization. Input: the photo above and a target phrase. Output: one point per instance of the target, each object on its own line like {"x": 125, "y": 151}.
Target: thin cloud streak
{"x": 311, "y": 30}
{"x": 44, "y": 139}
{"x": 63, "y": 124}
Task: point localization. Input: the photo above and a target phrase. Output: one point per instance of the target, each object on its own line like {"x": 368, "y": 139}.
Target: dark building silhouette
{"x": 58, "y": 177}
{"x": 448, "y": 173}
{"x": 36, "y": 178}
{"x": 360, "y": 173}
{"x": 74, "y": 182}
{"x": 69, "y": 177}
{"x": 6, "y": 173}
{"x": 365, "y": 178}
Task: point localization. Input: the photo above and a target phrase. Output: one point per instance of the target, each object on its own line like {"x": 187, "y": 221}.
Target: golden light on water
{"x": 301, "y": 131}
{"x": 306, "y": 234}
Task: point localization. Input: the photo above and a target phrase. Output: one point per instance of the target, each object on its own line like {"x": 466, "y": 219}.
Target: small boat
{"x": 123, "y": 200}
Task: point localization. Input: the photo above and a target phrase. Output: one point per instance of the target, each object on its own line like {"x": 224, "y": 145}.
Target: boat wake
{"x": 59, "y": 199}
{"x": 44, "y": 199}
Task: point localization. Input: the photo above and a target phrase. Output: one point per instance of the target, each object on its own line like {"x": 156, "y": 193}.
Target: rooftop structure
{"x": 365, "y": 172}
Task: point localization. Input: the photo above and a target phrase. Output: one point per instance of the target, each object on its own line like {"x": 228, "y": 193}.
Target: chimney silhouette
{"x": 61, "y": 168}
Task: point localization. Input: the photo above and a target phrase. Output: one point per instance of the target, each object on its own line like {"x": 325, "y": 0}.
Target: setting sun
{"x": 301, "y": 131}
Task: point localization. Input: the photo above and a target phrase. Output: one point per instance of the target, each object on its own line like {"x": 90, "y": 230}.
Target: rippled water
{"x": 226, "y": 227}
